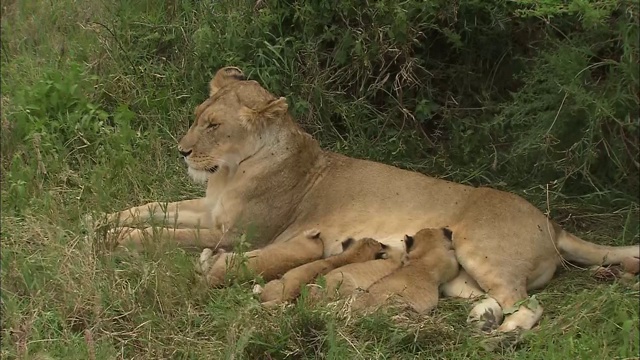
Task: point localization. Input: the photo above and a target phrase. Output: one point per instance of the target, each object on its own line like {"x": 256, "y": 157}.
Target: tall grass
{"x": 539, "y": 98}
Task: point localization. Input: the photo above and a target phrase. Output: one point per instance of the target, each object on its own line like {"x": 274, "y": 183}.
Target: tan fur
{"x": 281, "y": 183}
{"x": 306, "y": 248}
{"x": 345, "y": 280}
{"x": 288, "y": 287}
{"x": 430, "y": 262}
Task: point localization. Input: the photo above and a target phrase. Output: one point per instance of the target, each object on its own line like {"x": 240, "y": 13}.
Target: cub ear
{"x": 447, "y": 233}
{"x": 408, "y": 242}
{"x": 347, "y": 243}
{"x": 224, "y": 77}
{"x": 312, "y": 234}
{"x": 274, "y": 109}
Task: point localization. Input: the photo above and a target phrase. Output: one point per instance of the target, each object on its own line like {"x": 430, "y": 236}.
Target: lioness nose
{"x": 184, "y": 153}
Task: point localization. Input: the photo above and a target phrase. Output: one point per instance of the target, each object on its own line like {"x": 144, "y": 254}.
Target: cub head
{"x": 363, "y": 249}
{"x": 230, "y": 126}
{"x": 427, "y": 241}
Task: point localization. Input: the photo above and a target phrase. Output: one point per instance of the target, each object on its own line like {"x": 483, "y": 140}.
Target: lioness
{"x": 430, "y": 262}
{"x": 288, "y": 287}
{"x": 281, "y": 183}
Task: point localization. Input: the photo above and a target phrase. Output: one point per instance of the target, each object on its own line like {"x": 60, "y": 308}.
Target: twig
{"x": 557, "y": 113}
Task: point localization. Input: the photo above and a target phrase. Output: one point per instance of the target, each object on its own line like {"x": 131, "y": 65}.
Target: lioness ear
{"x": 447, "y": 233}
{"x": 272, "y": 110}
{"x": 347, "y": 243}
{"x": 224, "y": 77}
{"x": 408, "y": 242}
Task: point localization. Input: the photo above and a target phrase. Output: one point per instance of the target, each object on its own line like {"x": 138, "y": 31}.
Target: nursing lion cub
{"x": 288, "y": 287}
{"x": 307, "y": 248}
{"x": 346, "y": 280}
{"x": 430, "y": 262}
{"x": 266, "y": 176}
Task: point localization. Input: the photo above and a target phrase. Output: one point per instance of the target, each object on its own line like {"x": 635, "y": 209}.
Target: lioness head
{"x": 229, "y": 125}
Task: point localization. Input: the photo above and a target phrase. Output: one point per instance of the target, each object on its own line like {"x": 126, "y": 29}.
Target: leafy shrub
{"x": 499, "y": 89}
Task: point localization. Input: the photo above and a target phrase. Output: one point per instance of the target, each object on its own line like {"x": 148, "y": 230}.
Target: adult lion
{"x": 262, "y": 170}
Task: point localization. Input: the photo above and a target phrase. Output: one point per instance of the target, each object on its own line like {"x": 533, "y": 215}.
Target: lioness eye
{"x": 212, "y": 126}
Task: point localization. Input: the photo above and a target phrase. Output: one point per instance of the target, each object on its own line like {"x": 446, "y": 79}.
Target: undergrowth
{"x": 535, "y": 97}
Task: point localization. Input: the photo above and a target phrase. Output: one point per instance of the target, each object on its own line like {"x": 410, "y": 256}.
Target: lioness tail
{"x": 583, "y": 252}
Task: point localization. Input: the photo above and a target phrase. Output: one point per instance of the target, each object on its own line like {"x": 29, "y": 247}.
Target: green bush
{"x": 519, "y": 93}
{"x": 504, "y": 93}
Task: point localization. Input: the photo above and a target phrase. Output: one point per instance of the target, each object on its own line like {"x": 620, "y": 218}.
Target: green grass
{"x": 94, "y": 96}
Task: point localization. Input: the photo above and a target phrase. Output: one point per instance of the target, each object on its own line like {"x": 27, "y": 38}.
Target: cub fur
{"x": 288, "y": 287}
{"x": 304, "y": 249}
{"x": 345, "y": 280}
{"x": 430, "y": 262}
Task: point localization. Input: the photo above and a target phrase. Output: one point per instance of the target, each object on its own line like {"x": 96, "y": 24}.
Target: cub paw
{"x": 273, "y": 291}
{"x": 257, "y": 289}
{"x": 209, "y": 267}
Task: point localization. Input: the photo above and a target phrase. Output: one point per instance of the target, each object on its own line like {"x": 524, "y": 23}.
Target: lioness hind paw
{"x": 487, "y": 322}
{"x": 487, "y": 315}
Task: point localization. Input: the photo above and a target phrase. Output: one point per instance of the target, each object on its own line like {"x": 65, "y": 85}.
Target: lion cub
{"x": 288, "y": 287}
{"x": 345, "y": 280}
{"x": 309, "y": 247}
{"x": 430, "y": 262}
